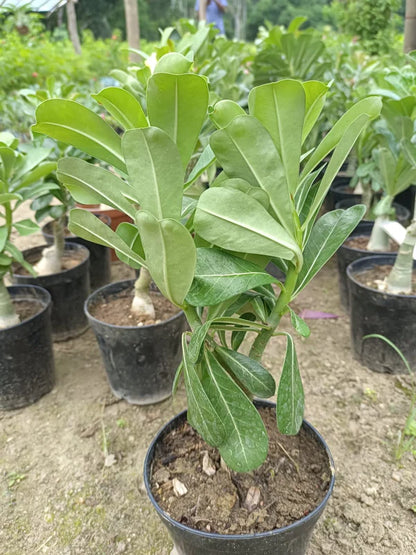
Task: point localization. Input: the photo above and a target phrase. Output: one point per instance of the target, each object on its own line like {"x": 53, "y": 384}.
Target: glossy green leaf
{"x": 204, "y": 161}
{"x": 224, "y": 112}
{"x": 327, "y": 235}
{"x": 5, "y": 198}
{"x": 178, "y": 105}
{"x": 173, "y": 62}
{"x": 197, "y": 341}
{"x": 170, "y": 255}
{"x": 18, "y": 257}
{"x": 90, "y": 184}
{"x": 315, "y": 92}
{"x": 237, "y": 337}
{"x": 84, "y": 224}
{"x": 235, "y": 221}
{"x": 281, "y": 109}
{"x": 201, "y": 413}
{"x": 299, "y": 324}
{"x": 7, "y": 162}
{"x": 220, "y": 276}
{"x": 34, "y": 175}
{"x": 250, "y": 373}
{"x": 290, "y": 396}
{"x": 155, "y": 171}
{"x": 261, "y": 196}
{"x": 237, "y": 149}
{"x": 123, "y": 106}
{"x": 246, "y": 444}
{"x": 131, "y": 236}
{"x": 5, "y": 260}
{"x": 73, "y": 124}
{"x": 370, "y": 106}
{"x": 26, "y": 227}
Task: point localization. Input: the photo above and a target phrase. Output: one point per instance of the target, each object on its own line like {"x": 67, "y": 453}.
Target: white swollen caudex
{"x": 51, "y": 261}
{"x": 400, "y": 279}
{"x": 142, "y": 303}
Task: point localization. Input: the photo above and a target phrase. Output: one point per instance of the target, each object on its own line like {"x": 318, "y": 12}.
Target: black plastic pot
{"x": 339, "y": 190}
{"x": 402, "y": 214}
{"x": 290, "y": 540}
{"x": 140, "y": 362}
{"x": 69, "y": 289}
{"x": 373, "y": 311}
{"x": 26, "y": 357}
{"x": 100, "y": 256}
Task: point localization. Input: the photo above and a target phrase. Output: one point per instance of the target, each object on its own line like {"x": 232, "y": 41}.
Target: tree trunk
{"x": 410, "y": 26}
{"x": 131, "y": 10}
{"x": 202, "y": 10}
{"x": 240, "y": 19}
{"x": 72, "y": 25}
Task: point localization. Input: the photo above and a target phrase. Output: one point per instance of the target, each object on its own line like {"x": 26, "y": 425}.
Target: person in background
{"x": 215, "y": 13}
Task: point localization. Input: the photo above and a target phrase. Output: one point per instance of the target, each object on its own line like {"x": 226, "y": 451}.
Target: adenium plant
{"x": 207, "y": 256}
{"x": 21, "y": 171}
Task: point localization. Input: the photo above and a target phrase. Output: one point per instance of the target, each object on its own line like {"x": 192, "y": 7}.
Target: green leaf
{"x": 327, "y": 235}
{"x": 237, "y": 148}
{"x": 131, "y": 236}
{"x": 237, "y": 337}
{"x": 177, "y": 377}
{"x": 8, "y": 159}
{"x": 18, "y": 257}
{"x": 5, "y": 260}
{"x": 204, "y": 161}
{"x": 290, "y": 396}
{"x": 178, "y": 105}
{"x": 250, "y": 373}
{"x": 84, "y": 224}
{"x": 170, "y": 255}
{"x": 155, "y": 171}
{"x": 90, "y": 184}
{"x": 123, "y": 106}
{"x": 315, "y": 92}
{"x": 26, "y": 227}
{"x": 197, "y": 341}
{"x": 224, "y": 112}
{"x": 235, "y": 221}
{"x": 34, "y": 175}
{"x": 73, "y": 124}
{"x": 281, "y": 109}
{"x": 5, "y": 198}
{"x": 173, "y": 62}
{"x": 41, "y": 202}
{"x": 39, "y": 189}
{"x": 220, "y": 276}
{"x": 201, "y": 413}
{"x": 299, "y": 324}
{"x": 246, "y": 444}
{"x": 4, "y": 234}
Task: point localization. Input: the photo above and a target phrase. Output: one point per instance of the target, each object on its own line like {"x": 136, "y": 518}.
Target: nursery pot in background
{"x": 140, "y": 361}
{"x": 68, "y": 289}
{"x": 403, "y": 214}
{"x": 26, "y": 356}
{"x": 377, "y": 312}
{"x": 100, "y": 256}
{"x": 289, "y": 540}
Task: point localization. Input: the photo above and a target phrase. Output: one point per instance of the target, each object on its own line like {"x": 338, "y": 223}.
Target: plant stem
{"x": 259, "y": 345}
{"x": 400, "y": 278}
{"x": 142, "y": 304}
{"x": 379, "y": 240}
{"x": 8, "y": 316}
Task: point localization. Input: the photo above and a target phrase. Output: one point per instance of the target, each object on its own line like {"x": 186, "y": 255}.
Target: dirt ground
{"x": 71, "y": 464}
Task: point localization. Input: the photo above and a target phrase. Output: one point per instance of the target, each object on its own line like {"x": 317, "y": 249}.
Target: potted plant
{"x": 26, "y": 358}
{"x": 393, "y": 170}
{"x": 211, "y": 265}
{"x": 61, "y": 268}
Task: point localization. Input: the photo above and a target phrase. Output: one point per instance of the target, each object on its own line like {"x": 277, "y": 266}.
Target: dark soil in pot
{"x": 140, "y": 358}
{"x": 26, "y": 357}
{"x": 209, "y": 509}
{"x": 402, "y": 214}
{"x": 354, "y": 248}
{"x": 374, "y": 311}
{"x": 68, "y": 289}
{"x": 100, "y": 256}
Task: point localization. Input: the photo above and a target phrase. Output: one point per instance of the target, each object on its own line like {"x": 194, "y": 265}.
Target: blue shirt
{"x": 214, "y": 14}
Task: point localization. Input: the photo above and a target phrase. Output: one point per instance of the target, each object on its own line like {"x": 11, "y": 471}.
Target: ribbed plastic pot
{"x": 373, "y": 311}
{"x": 290, "y": 540}
{"x": 26, "y": 356}
{"x": 140, "y": 362}
{"x": 100, "y": 256}
{"x": 69, "y": 289}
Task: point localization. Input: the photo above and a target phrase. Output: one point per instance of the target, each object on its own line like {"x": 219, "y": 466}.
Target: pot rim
{"x": 351, "y": 273}
{"x": 103, "y": 322}
{"x": 46, "y": 303}
{"x": 234, "y": 537}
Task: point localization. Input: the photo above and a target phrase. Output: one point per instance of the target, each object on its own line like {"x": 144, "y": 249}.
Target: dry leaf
{"x": 179, "y": 488}
{"x": 253, "y": 499}
{"x": 207, "y": 465}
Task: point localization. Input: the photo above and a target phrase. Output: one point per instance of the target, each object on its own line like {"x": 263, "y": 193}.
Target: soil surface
{"x": 71, "y": 464}
{"x": 194, "y": 488}
{"x": 376, "y": 276}
{"x": 360, "y": 242}
{"x": 116, "y": 310}
{"x": 27, "y": 309}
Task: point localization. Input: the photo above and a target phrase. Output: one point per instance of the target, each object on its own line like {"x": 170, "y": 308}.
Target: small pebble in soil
{"x": 396, "y": 476}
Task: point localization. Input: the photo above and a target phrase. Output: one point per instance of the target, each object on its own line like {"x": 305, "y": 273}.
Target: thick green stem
{"x": 273, "y": 321}
{"x": 59, "y": 236}
{"x": 142, "y": 304}
{"x": 400, "y": 278}
{"x": 379, "y": 240}
{"x": 51, "y": 261}
{"x": 8, "y": 316}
